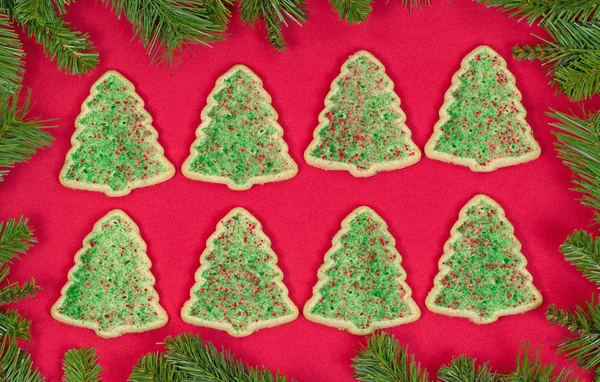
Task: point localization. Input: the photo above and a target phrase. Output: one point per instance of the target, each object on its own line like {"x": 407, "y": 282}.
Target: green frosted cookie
{"x": 239, "y": 142}
{"x": 362, "y": 128}
{"x": 361, "y": 284}
{"x": 115, "y": 148}
{"x": 482, "y": 122}
{"x": 482, "y": 272}
{"x": 110, "y": 288}
{"x": 239, "y": 287}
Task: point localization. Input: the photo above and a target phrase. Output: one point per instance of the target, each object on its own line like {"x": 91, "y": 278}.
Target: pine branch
{"x": 72, "y": 50}
{"x": 13, "y": 325}
{"x": 531, "y": 368}
{"x": 20, "y": 135}
{"x": 357, "y": 11}
{"x": 584, "y": 324}
{"x": 15, "y": 292}
{"x": 81, "y": 365}
{"x": 548, "y": 12}
{"x": 15, "y": 239}
{"x": 583, "y": 251}
{"x": 578, "y": 145}
{"x": 201, "y": 361}
{"x": 275, "y": 13}
{"x": 154, "y": 368}
{"x": 384, "y": 360}
{"x": 463, "y": 369}
{"x": 15, "y": 363}
{"x": 11, "y": 58}
{"x": 165, "y": 27}
{"x": 219, "y": 11}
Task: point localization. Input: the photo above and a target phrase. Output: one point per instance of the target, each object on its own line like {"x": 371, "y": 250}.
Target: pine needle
{"x": 20, "y": 135}
{"x": 531, "y": 368}
{"x": 357, "y": 11}
{"x": 13, "y": 325}
{"x": 584, "y": 325}
{"x": 72, "y": 50}
{"x": 548, "y": 12}
{"x": 385, "y": 360}
{"x": 15, "y": 363}
{"x": 583, "y": 251}
{"x": 11, "y": 58}
{"x": 15, "y": 239}
{"x": 14, "y": 292}
{"x": 463, "y": 369}
{"x": 165, "y": 27}
{"x": 578, "y": 145}
{"x": 197, "y": 360}
{"x": 81, "y": 365}
{"x": 154, "y": 368}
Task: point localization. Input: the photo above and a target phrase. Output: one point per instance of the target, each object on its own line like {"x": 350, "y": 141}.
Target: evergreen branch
{"x": 15, "y": 292}
{"x": 20, "y": 135}
{"x": 583, "y": 251}
{"x": 81, "y": 365}
{"x": 384, "y": 360}
{"x": 154, "y": 367}
{"x": 463, "y": 369}
{"x": 197, "y": 360}
{"x": 578, "y": 145}
{"x": 531, "y": 368}
{"x": 219, "y": 11}
{"x": 72, "y": 50}
{"x": 357, "y": 11}
{"x": 15, "y": 239}
{"x": 548, "y": 12}
{"x": 13, "y": 325}
{"x": 11, "y": 58}
{"x": 573, "y": 57}
{"x": 15, "y": 363}
{"x": 165, "y": 27}
{"x": 584, "y": 324}
{"x": 275, "y": 13}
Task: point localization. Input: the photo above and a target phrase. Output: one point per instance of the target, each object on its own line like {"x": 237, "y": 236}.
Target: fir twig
{"x": 531, "y": 368}
{"x": 584, "y": 324}
{"x": 357, "y": 11}
{"x": 165, "y": 27}
{"x": 548, "y": 12}
{"x": 578, "y": 146}
{"x": 72, "y": 50}
{"x": 14, "y": 292}
{"x": 15, "y": 363}
{"x": 583, "y": 251}
{"x": 384, "y": 360}
{"x": 81, "y": 365}
{"x": 201, "y": 361}
{"x": 20, "y": 135}
{"x": 463, "y": 369}
{"x": 13, "y": 325}
{"x": 154, "y": 367}
{"x": 15, "y": 238}
{"x": 11, "y": 58}
{"x": 275, "y": 13}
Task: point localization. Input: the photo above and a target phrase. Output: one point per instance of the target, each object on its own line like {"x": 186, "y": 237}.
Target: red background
{"x": 421, "y": 52}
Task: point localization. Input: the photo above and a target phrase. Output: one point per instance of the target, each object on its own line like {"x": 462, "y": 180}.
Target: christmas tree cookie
{"x": 361, "y": 285}
{"x": 482, "y": 122}
{"x": 115, "y": 148}
{"x": 110, "y": 288}
{"x": 482, "y": 272}
{"x": 239, "y": 142}
{"x": 239, "y": 287}
{"x": 362, "y": 127}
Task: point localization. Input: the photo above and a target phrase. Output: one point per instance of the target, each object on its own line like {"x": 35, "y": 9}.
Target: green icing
{"x": 363, "y": 124}
{"x": 241, "y": 139}
{"x": 364, "y": 282}
{"x": 485, "y": 268}
{"x": 110, "y": 287}
{"x": 485, "y": 119}
{"x": 240, "y": 282}
{"x": 116, "y": 144}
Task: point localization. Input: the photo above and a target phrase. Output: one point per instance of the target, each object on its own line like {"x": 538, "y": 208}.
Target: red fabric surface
{"x": 421, "y": 52}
